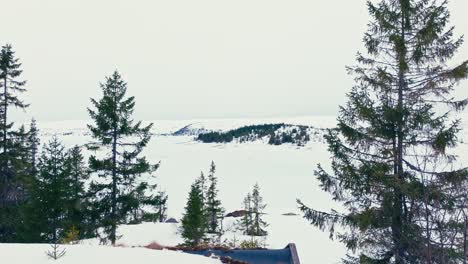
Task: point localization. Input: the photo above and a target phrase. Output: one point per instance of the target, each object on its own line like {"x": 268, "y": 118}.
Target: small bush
{"x": 72, "y": 235}
{"x": 56, "y": 252}
{"x": 250, "y": 244}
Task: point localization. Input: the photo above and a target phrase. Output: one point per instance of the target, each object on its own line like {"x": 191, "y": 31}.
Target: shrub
{"x": 250, "y": 244}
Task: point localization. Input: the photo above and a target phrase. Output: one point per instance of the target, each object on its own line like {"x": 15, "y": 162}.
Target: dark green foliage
{"x": 148, "y": 204}
{"x": 57, "y": 201}
{"x": 161, "y": 206}
{"x": 77, "y": 207}
{"x": 158, "y": 203}
{"x": 20, "y": 167}
{"x": 214, "y": 211}
{"x": 12, "y": 188}
{"x": 194, "y": 219}
{"x": 246, "y": 222}
{"x": 33, "y": 143}
{"x": 299, "y": 136}
{"x": 120, "y": 141}
{"x": 256, "y": 131}
{"x": 391, "y": 147}
{"x": 277, "y": 134}
{"x": 201, "y": 181}
{"x": 257, "y": 211}
{"x": 52, "y": 193}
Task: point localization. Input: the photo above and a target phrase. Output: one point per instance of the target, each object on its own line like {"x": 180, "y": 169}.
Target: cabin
{"x": 287, "y": 255}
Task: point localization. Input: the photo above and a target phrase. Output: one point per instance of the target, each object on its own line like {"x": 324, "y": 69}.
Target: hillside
{"x": 284, "y": 172}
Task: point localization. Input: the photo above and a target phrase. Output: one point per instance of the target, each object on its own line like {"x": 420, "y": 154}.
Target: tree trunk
{"x": 114, "y": 187}
{"x": 397, "y": 218}
{"x": 465, "y": 241}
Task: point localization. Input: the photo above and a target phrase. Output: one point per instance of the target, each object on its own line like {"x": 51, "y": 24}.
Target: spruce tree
{"x": 202, "y": 182}
{"x": 246, "y": 222}
{"x": 78, "y": 174}
{"x": 399, "y": 115}
{"x": 52, "y": 192}
{"x": 252, "y": 222}
{"x": 10, "y": 88}
{"x": 194, "y": 220}
{"x": 120, "y": 164}
{"x": 257, "y": 211}
{"x": 20, "y": 160}
{"x": 21, "y": 214}
{"x": 33, "y": 143}
{"x": 214, "y": 211}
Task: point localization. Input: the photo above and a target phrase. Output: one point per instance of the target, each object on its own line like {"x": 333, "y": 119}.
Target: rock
{"x": 172, "y": 221}
{"x": 290, "y": 214}
{"x": 238, "y": 213}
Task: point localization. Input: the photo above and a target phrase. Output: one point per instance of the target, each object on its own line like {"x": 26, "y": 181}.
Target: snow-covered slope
{"x": 284, "y": 174}
{"x": 79, "y": 254}
{"x": 166, "y": 127}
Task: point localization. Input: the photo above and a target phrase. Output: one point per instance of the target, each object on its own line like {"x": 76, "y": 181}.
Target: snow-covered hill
{"x": 284, "y": 174}
{"x": 188, "y": 127}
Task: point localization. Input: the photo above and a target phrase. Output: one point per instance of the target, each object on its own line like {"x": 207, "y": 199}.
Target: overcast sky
{"x": 187, "y": 59}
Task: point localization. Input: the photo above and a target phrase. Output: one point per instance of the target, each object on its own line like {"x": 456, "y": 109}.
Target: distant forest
{"x": 277, "y": 134}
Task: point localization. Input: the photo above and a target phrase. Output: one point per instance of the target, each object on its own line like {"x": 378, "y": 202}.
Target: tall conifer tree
{"x": 253, "y": 223}
{"x": 399, "y": 113}
{"x": 78, "y": 174}
{"x": 33, "y": 143}
{"x": 51, "y": 196}
{"x": 194, "y": 219}
{"x": 10, "y": 88}
{"x": 121, "y": 141}
{"x": 246, "y": 222}
{"x": 259, "y": 225}
{"x": 214, "y": 211}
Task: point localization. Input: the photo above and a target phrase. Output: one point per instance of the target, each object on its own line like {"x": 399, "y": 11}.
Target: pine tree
{"x": 398, "y": 116}
{"x": 202, "y": 182}
{"x": 78, "y": 174}
{"x": 252, "y": 222}
{"x": 194, "y": 220}
{"x": 257, "y": 211}
{"x": 214, "y": 211}
{"x": 19, "y": 153}
{"x": 246, "y": 223}
{"x": 11, "y": 217}
{"x": 52, "y": 192}
{"x": 24, "y": 214}
{"x": 33, "y": 146}
{"x": 121, "y": 165}
{"x": 10, "y": 88}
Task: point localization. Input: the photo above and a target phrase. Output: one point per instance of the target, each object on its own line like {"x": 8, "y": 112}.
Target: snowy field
{"x": 79, "y": 254}
{"x": 284, "y": 174}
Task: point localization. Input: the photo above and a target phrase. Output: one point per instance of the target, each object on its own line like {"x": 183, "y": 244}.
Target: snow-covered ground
{"x": 284, "y": 174}
{"x": 79, "y": 254}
